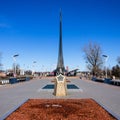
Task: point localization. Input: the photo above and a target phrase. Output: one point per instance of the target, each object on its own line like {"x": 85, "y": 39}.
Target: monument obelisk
{"x": 60, "y": 82}
{"x": 60, "y": 65}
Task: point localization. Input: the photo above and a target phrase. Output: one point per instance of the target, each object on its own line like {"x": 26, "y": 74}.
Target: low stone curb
{"x": 108, "y": 110}
{"x": 12, "y": 110}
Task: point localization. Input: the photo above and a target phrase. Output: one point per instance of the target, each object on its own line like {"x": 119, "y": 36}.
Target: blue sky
{"x": 30, "y": 28}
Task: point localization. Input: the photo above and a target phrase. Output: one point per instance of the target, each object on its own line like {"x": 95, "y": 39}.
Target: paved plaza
{"x": 12, "y": 95}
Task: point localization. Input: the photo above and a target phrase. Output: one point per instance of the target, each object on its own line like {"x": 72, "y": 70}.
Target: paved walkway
{"x": 12, "y": 95}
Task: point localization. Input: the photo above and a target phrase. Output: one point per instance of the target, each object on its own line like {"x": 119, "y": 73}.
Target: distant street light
{"x": 34, "y": 62}
{"x": 14, "y": 58}
{"x": 106, "y": 59}
{"x": 1, "y": 65}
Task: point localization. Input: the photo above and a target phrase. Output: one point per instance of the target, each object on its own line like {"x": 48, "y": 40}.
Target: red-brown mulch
{"x": 60, "y": 109}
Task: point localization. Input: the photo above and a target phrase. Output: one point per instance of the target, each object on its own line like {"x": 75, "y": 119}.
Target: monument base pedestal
{"x": 60, "y": 86}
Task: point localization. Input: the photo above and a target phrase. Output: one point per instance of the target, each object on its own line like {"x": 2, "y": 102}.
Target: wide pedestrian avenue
{"x": 12, "y": 95}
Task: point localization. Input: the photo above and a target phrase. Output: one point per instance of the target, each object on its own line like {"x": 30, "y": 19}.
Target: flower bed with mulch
{"x": 60, "y": 109}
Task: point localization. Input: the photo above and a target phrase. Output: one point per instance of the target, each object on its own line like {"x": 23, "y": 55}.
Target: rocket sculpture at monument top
{"x": 60, "y": 65}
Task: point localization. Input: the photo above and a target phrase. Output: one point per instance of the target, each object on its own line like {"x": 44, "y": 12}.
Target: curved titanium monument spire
{"x": 60, "y": 65}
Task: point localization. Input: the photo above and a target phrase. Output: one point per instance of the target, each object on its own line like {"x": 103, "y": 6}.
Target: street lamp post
{"x": 106, "y": 59}
{"x": 34, "y": 62}
{"x": 14, "y": 58}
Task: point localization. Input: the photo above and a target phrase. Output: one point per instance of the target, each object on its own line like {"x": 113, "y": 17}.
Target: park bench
{"x": 115, "y": 82}
{"x": 2, "y": 82}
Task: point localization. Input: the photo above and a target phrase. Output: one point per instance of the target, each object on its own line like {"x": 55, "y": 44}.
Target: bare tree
{"x": 93, "y": 57}
{"x": 116, "y": 71}
{"x": 0, "y": 61}
{"x": 118, "y": 60}
{"x": 16, "y": 68}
